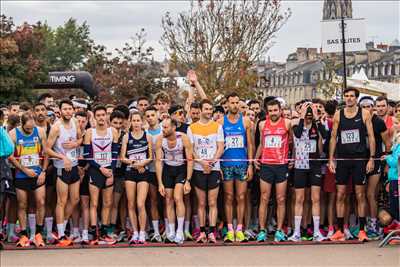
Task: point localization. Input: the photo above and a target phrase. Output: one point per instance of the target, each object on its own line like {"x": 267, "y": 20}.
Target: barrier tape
{"x": 234, "y": 160}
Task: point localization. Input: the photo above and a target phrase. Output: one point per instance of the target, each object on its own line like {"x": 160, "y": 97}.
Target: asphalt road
{"x": 313, "y": 255}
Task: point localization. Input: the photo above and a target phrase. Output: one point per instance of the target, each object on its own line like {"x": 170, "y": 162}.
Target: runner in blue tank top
{"x": 238, "y": 147}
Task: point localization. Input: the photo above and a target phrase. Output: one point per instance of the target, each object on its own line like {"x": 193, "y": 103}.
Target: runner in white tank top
{"x": 63, "y": 142}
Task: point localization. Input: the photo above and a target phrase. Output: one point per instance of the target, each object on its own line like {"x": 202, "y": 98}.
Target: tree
{"x": 328, "y": 86}
{"x": 222, "y": 40}
{"x": 131, "y": 73}
{"x": 21, "y": 59}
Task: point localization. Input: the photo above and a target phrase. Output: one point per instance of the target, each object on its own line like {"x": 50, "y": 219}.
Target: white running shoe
{"x": 348, "y": 234}
{"x": 134, "y": 239}
{"x": 295, "y": 238}
{"x": 179, "y": 238}
{"x": 156, "y": 238}
{"x": 142, "y": 239}
{"x": 170, "y": 238}
{"x": 318, "y": 237}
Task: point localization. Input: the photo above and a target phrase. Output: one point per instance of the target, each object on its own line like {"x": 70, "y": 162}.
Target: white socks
{"x": 171, "y": 228}
{"x": 181, "y": 221}
{"x": 49, "y": 225}
{"x": 297, "y": 224}
{"x": 60, "y": 230}
{"x": 32, "y": 224}
{"x": 316, "y": 224}
{"x": 155, "y": 226}
{"x": 85, "y": 234}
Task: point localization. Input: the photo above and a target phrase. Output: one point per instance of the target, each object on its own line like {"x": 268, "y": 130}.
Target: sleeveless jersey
{"x": 306, "y": 148}
{"x": 101, "y": 147}
{"x": 137, "y": 149}
{"x": 275, "y": 145}
{"x": 174, "y": 156}
{"x": 154, "y": 135}
{"x": 66, "y": 135}
{"x": 28, "y": 151}
{"x": 352, "y": 136}
{"x": 235, "y": 142}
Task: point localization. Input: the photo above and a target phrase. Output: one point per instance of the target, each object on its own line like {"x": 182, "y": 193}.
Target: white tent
{"x": 360, "y": 81}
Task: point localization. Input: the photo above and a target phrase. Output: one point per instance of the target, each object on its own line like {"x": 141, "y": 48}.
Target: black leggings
{"x": 394, "y": 199}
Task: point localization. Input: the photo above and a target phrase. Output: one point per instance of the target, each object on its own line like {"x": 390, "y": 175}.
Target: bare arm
{"x": 333, "y": 141}
{"x": 189, "y": 156}
{"x": 159, "y": 157}
{"x": 386, "y": 140}
{"x": 42, "y": 135}
{"x": 124, "y": 145}
{"x": 53, "y": 135}
{"x": 259, "y": 148}
{"x": 249, "y": 137}
{"x": 370, "y": 130}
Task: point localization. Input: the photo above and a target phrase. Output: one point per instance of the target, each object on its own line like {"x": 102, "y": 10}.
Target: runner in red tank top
{"x": 273, "y": 151}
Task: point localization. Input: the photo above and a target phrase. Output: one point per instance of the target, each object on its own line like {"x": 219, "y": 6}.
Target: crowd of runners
{"x": 240, "y": 170}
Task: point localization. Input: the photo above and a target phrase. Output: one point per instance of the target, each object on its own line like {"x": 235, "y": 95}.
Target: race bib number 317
{"x": 350, "y": 136}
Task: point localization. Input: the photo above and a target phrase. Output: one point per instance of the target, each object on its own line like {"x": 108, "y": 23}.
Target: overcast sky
{"x": 112, "y": 23}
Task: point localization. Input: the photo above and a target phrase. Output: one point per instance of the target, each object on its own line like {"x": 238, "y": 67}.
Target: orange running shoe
{"x": 23, "y": 241}
{"x": 362, "y": 236}
{"x": 338, "y": 236}
{"x": 202, "y": 238}
{"x": 64, "y": 242}
{"x": 38, "y": 241}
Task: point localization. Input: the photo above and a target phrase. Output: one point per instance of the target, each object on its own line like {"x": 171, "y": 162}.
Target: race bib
{"x": 205, "y": 153}
{"x": 273, "y": 141}
{"x": 350, "y": 136}
{"x": 30, "y": 160}
{"x": 103, "y": 158}
{"x": 71, "y": 154}
{"x": 234, "y": 141}
{"x": 308, "y": 146}
{"x": 138, "y": 156}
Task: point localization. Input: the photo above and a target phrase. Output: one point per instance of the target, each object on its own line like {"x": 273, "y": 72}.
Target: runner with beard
{"x": 174, "y": 175}
{"x": 273, "y": 150}
{"x": 238, "y": 148}
{"x": 63, "y": 143}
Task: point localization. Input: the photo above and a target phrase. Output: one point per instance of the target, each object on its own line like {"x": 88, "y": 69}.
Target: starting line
{"x": 186, "y": 244}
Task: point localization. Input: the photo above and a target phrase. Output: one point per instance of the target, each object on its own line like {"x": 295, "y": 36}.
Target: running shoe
{"x": 170, "y": 238}
{"x": 179, "y": 238}
{"x": 224, "y": 231}
{"x": 38, "y": 240}
{"x": 114, "y": 236}
{"x": 362, "y": 236}
{"x": 156, "y": 238}
{"x": 12, "y": 238}
{"x": 134, "y": 240}
{"x": 122, "y": 236}
{"x": 202, "y": 238}
{"x": 373, "y": 235}
{"x": 280, "y": 236}
{"x": 348, "y": 234}
{"x": 196, "y": 233}
{"x": 142, "y": 239}
{"x": 354, "y": 230}
{"x": 64, "y": 242}
{"x": 107, "y": 240}
{"x": 211, "y": 238}
{"x": 85, "y": 241}
{"x": 188, "y": 236}
{"x": 318, "y": 237}
{"x": 94, "y": 242}
{"x": 262, "y": 236}
{"x": 294, "y": 238}
{"x": 305, "y": 236}
{"x": 23, "y": 241}
{"x": 76, "y": 239}
{"x": 239, "y": 237}
{"x": 250, "y": 235}
{"x": 338, "y": 236}
{"x": 229, "y": 237}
